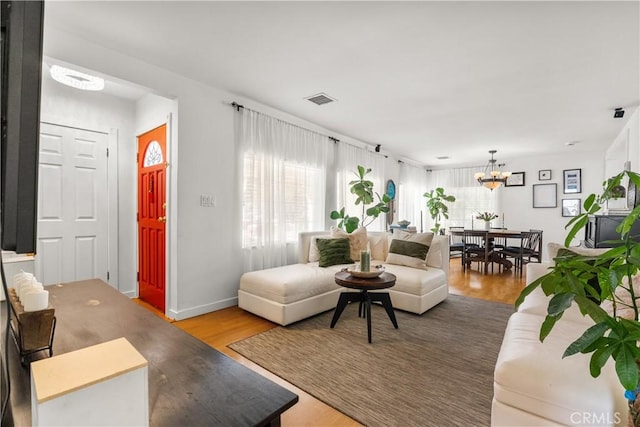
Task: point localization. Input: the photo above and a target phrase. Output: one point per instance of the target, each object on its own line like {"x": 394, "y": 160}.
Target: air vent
{"x": 320, "y": 98}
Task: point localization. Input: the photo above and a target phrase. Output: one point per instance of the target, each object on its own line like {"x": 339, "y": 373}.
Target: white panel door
{"x": 72, "y": 205}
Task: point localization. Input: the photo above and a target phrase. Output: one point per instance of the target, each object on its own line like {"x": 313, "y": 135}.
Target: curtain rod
{"x": 331, "y": 138}
{"x": 240, "y": 106}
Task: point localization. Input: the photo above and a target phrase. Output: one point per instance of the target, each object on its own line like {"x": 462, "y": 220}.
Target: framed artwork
{"x": 544, "y": 175}
{"x": 571, "y": 207}
{"x": 545, "y": 195}
{"x": 515, "y": 180}
{"x": 572, "y": 181}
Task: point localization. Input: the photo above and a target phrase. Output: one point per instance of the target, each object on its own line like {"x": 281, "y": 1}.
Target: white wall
{"x": 206, "y": 247}
{"x": 517, "y": 202}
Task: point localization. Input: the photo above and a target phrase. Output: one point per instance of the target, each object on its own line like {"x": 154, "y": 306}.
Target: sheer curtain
{"x": 349, "y": 158}
{"x": 282, "y": 170}
{"x": 411, "y": 203}
{"x": 471, "y": 197}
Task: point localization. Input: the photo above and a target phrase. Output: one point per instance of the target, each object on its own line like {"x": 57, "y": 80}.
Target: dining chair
{"x": 456, "y": 244}
{"x": 476, "y": 249}
{"x": 530, "y": 248}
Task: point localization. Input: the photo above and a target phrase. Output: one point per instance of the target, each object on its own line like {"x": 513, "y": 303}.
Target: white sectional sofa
{"x": 294, "y": 292}
{"x": 535, "y": 386}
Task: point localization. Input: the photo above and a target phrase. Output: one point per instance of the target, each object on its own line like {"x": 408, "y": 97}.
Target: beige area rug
{"x": 435, "y": 370}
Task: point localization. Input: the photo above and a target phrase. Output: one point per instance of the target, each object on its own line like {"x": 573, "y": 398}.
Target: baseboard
{"x": 130, "y": 294}
{"x": 202, "y": 309}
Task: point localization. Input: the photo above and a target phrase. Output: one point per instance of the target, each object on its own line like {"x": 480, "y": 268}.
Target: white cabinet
{"x": 102, "y": 385}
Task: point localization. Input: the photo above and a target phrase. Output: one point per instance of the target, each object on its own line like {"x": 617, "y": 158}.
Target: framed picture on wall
{"x": 572, "y": 181}
{"x": 545, "y": 195}
{"x": 571, "y": 207}
{"x": 544, "y": 175}
{"x": 515, "y": 180}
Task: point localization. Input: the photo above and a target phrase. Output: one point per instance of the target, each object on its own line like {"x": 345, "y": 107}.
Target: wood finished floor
{"x": 233, "y": 324}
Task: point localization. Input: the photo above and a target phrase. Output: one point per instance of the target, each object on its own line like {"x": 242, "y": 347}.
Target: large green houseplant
{"x": 437, "y": 207}
{"x": 590, "y": 281}
{"x": 371, "y": 203}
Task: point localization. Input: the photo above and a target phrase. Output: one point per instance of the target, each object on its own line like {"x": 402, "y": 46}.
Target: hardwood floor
{"x": 233, "y": 324}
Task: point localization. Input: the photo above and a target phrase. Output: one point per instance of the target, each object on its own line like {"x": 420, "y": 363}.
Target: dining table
{"x": 492, "y": 234}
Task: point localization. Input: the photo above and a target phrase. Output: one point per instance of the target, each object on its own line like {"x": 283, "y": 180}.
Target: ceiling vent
{"x": 320, "y": 98}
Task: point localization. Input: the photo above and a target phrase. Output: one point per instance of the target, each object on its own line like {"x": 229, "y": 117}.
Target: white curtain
{"x": 282, "y": 170}
{"x": 471, "y": 197}
{"x": 349, "y": 158}
{"x": 411, "y": 202}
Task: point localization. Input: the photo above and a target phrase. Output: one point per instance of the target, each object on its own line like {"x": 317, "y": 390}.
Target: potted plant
{"x": 487, "y": 217}
{"x": 437, "y": 207}
{"x": 365, "y": 196}
{"x": 592, "y": 281}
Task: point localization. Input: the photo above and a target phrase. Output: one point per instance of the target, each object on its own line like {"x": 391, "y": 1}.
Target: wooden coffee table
{"x": 363, "y": 297}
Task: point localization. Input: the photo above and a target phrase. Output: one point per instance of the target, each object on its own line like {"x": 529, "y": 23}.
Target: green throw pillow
{"x": 334, "y": 252}
{"x": 409, "y": 253}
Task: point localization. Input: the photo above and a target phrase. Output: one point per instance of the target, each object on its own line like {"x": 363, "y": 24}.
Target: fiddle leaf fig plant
{"x": 437, "y": 207}
{"x": 362, "y": 188}
{"x": 602, "y": 288}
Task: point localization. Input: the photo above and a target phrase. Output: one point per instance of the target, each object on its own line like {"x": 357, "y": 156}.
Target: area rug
{"x": 435, "y": 370}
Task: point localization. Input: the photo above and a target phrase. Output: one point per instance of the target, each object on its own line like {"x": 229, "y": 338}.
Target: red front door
{"x": 152, "y": 217}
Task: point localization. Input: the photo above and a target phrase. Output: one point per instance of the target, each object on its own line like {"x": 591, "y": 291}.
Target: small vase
{"x": 487, "y": 225}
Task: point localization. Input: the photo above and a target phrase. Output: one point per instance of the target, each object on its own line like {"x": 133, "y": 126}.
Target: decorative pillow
{"x": 409, "y": 249}
{"x": 378, "y": 245}
{"x": 593, "y": 282}
{"x": 553, "y": 249}
{"x": 314, "y": 255}
{"x": 357, "y": 240}
{"x": 624, "y": 310}
{"x": 334, "y": 252}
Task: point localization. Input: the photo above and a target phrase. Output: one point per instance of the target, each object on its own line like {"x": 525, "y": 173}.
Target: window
{"x": 152, "y": 155}
{"x": 283, "y": 173}
{"x": 471, "y": 198}
{"x": 298, "y": 193}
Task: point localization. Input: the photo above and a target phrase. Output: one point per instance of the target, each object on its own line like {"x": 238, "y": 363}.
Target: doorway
{"x": 73, "y": 221}
{"x": 152, "y": 217}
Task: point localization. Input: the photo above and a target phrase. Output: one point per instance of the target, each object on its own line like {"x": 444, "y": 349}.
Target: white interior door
{"x": 72, "y": 205}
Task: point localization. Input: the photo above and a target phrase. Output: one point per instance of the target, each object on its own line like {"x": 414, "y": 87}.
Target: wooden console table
{"x": 190, "y": 383}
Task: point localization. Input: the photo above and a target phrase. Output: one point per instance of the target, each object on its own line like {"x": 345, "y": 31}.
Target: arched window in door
{"x": 152, "y": 155}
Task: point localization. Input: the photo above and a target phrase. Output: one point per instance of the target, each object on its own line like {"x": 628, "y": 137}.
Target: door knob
{"x": 162, "y": 218}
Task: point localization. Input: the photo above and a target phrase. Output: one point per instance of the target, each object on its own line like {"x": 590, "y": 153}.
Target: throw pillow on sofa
{"x": 409, "y": 249}
{"x": 334, "y": 252}
{"x": 357, "y": 240}
{"x": 593, "y": 282}
{"x": 314, "y": 254}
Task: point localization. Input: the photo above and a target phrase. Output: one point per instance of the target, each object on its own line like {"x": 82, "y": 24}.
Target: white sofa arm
{"x": 537, "y": 302}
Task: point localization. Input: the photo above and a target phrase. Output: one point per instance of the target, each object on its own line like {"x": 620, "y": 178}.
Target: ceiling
{"x": 423, "y": 79}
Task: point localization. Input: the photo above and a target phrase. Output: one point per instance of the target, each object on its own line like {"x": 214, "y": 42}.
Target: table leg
{"x": 367, "y": 303}
{"x": 345, "y": 298}
{"x": 385, "y": 299}
{"x": 342, "y": 303}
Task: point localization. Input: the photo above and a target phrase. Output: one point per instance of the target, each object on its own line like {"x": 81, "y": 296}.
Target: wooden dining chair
{"x": 456, "y": 246}
{"x": 529, "y": 249}
{"x": 476, "y": 249}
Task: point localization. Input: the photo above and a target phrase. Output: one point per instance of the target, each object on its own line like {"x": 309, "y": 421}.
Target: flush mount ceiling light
{"x": 492, "y": 177}
{"x": 76, "y": 79}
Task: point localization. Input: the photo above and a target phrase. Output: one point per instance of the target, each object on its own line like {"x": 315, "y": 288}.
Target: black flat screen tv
{"x": 20, "y": 76}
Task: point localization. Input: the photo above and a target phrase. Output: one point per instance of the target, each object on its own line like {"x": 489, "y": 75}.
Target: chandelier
{"x": 492, "y": 177}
